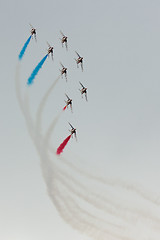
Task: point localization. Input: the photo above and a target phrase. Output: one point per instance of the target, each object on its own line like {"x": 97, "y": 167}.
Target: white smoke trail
{"x": 79, "y": 219}
{"x": 47, "y": 177}
{"x": 50, "y": 129}
{"x": 71, "y": 197}
{"x": 149, "y": 196}
{"x": 84, "y": 221}
{"x": 107, "y": 181}
{"x": 81, "y": 193}
{"x": 48, "y": 135}
{"x": 17, "y": 84}
{"x": 29, "y": 121}
{"x": 69, "y": 203}
{"x": 41, "y": 107}
{"x": 60, "y": 198}
{"x": 134, "y": 213}
{"x": 107, "y": 203}
{"x": 23, "y": 103}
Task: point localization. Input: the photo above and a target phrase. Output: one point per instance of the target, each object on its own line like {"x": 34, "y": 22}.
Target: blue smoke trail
{"x": 24, "y": 48}
{"x": 36, "y": 70}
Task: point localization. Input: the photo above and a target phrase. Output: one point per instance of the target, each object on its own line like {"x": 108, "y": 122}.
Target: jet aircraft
{"x": 83, "y": 90}
{"x": 64, "y": 39}
{"x": 68, "y": 102}
{"x": 79, "y": 60}
{"x": 73, "y": 131}
{"x": 50, "y": 50}
{"x": 33, "y": 32}
{"x": 63, "y": 71}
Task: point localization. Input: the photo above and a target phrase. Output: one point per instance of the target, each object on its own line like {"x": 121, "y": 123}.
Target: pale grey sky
{"x": 118, "y": 128}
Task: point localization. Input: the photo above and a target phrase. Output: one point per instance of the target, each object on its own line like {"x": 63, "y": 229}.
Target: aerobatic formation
{"x": 93, "y": 205}
{"x": 63, "y": 71}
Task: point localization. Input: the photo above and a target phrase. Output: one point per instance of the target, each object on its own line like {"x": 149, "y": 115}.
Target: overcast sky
{"x": 118, "y": 128}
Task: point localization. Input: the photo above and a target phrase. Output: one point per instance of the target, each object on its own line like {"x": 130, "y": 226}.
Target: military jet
{"x": 73, "y": 131}
{"x": 63, "y": 71}
{"x": 83, "y": 90}
{"x": 79, "y": 60}
{"x": 50, "y": 50}
{"x": 64, "y": 40}
{"x": 68, "y": 102}
{"x": 33, "y": 32}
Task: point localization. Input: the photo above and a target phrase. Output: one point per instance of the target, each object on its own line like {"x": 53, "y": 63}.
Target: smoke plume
{"x": 62, "y": 145}
{"x": 36, "y": 70}
{"x": 24, "y": 48}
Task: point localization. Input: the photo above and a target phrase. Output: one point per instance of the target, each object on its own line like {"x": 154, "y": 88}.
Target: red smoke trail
{"x": 64, "y": 108}
{"x": 62, "y": 146}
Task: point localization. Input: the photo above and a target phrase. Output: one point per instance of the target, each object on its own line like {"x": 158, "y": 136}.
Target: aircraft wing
{"x": 71, "y": 126}
{"x": 62, "y": 33}
{"x": 78, "y": 54}
{"x": 48, "y": 44}
{"x": 67, "y": 96}
{"x": 61, "y": 64}
{"x": 81, "y": 84}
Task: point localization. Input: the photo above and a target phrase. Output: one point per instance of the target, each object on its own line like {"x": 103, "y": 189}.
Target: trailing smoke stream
{"x": 150, "y": 197}
{"x": 100, "y": 214}
{"x": 62, "y": 145}
{"x": 24, "y": 48}
{"x": 36, "y": 70}
{"x": 17, "y": 84}
{"x": 106, "y": 204}
{"x": 48, "y": 182}
{"x": 112, "y": 182}
{"x": 42, "y": 105}
{"x": 64, "y": 108}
